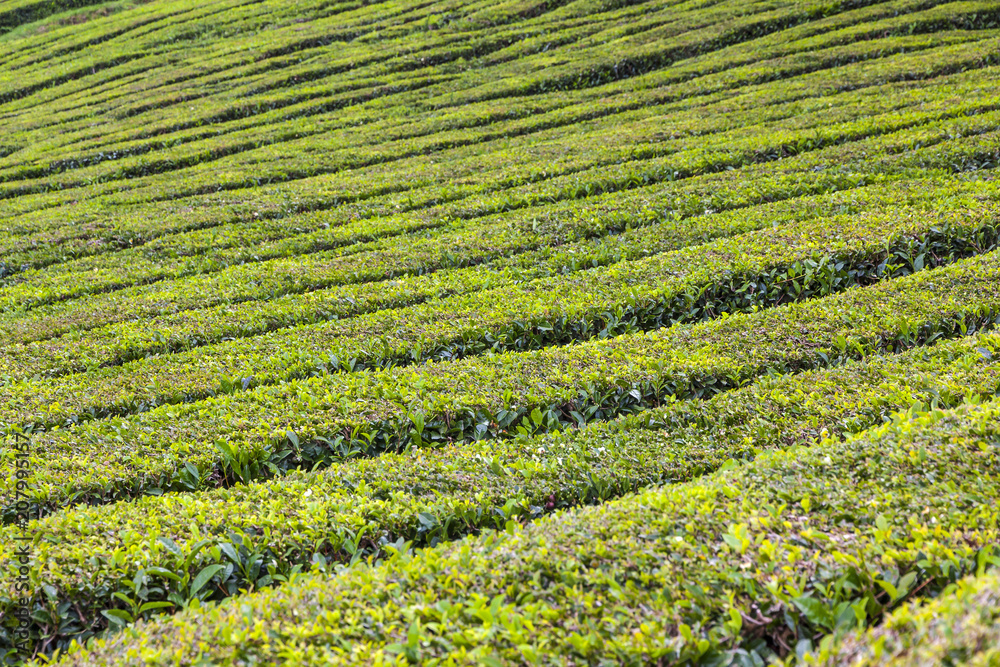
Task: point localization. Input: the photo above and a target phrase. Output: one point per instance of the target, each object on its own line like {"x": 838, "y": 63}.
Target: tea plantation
{"x": 510, "y": 332}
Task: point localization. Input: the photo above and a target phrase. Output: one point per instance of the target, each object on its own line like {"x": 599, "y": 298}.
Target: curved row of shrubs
{"x": 255, "y": 433}
{"x": 212, "y": 544}
{"x": 742, "y": 566}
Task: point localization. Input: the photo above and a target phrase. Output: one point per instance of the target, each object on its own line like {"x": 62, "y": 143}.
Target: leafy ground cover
{"x": 530, "y": 332}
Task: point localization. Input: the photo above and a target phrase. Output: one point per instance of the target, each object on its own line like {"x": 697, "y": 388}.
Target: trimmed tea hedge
{"x": 738, "y": 274}
{"x": 248, "y": 537}
{"x": 643, "y": 164}
{"x": 296, "y": 286}
{"x": 746, "y": 563}
{"x": 303, "y": 422}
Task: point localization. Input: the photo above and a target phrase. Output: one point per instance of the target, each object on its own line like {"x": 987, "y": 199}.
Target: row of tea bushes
{"x": 791, "y": 177}
{"x": 254, "y": 433}
{"x": 766, "y": 105}
{"x": 131, "y": 236}
{"x": 650, "y": 227}
{"x": 251, "y": 536}
{"x": 655, "y": 162}
{"x": 745, "y": 273}
{"x": 739, "y": 566}
{"x": 848, "y": 26}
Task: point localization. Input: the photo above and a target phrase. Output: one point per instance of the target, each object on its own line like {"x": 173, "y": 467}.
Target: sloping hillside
{"x": 562, "y": 332}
